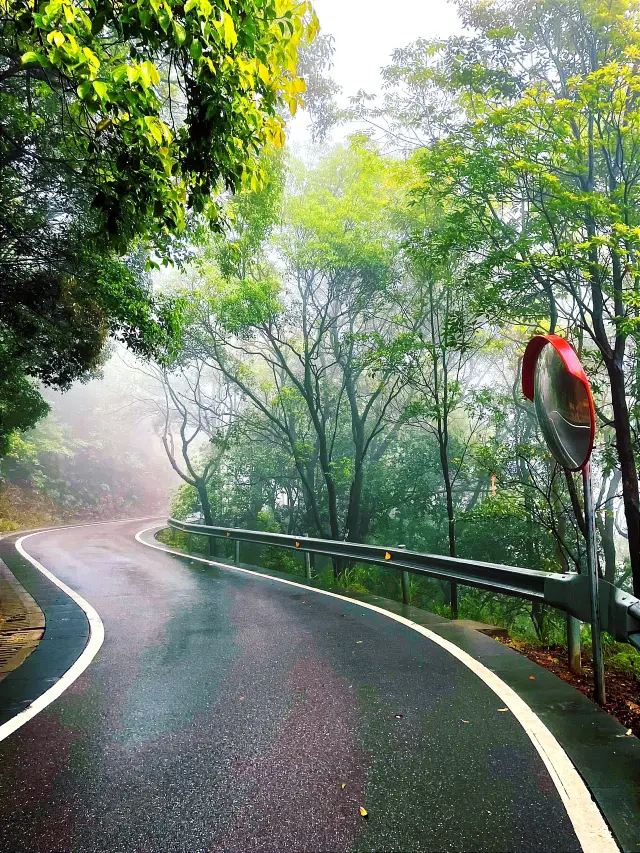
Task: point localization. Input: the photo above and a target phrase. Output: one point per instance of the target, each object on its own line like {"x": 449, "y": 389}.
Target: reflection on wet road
{"x": 226, "y": 712}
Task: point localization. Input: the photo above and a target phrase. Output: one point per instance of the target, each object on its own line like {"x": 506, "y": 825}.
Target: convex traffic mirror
{"x": 554, "y": 379}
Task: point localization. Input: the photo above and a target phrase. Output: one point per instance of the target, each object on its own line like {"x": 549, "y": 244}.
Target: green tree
{"x": 162, "y": 102}
{"x": 21, "y": 405}
{"x": 192, "y": 412}
{"x": 542, "y": 176}
{"x": 307, "y": 339}
{"x": 116, "y": 121}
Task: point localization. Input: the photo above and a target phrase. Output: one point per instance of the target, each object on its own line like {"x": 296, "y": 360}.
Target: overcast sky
{"x": 367, "y": 31}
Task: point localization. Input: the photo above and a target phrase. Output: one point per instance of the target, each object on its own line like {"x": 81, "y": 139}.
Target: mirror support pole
{"x": 573, "y": 644}
{"x": 592, "y": 569}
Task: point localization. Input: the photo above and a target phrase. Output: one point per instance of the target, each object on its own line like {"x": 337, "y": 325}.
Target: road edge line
{"x": 586, "y": 818}
{"x": 31, "y": 531}
{"x": 96, "y": 638}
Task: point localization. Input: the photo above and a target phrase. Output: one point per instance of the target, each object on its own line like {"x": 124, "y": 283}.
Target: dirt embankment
{"x": 623, "y": 688}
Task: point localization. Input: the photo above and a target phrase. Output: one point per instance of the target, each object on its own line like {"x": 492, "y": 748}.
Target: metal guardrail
{"x": 633, "y": 612}
{"x": 620, "y": 611}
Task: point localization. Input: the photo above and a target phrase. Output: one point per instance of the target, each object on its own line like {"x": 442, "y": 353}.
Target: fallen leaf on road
{"x": 343, "y": 786}
{"x": 532, "y": 678}
{"x": 363, "y": 812}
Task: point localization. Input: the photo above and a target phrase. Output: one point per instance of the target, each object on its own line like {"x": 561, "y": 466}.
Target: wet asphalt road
{"x": 226, "y": 712}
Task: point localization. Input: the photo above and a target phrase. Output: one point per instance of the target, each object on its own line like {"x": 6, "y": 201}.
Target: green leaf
{"x": 31, "y": 56}
{"x": 154, "y": 128}
{"x": 128, "y": 71}
{"x": 84, "y": 90}
{"x": 101, "y": 89}
{"x": 149, "y": 74}
{"x": 56, "y": 38}
{"x": 179, "y": 32}
{"x": 230, "y": 35}
{"x": 164, "y": 19}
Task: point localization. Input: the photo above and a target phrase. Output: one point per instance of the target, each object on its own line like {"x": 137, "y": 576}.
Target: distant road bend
{"x": 227, "y": 711}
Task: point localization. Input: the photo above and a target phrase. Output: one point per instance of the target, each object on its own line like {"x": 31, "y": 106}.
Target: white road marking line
{"x": 96, "y": 633}
{"x": 587, "y": 820}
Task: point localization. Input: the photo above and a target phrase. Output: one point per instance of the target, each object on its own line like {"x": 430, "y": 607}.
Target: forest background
{"x": 348, "y": 353}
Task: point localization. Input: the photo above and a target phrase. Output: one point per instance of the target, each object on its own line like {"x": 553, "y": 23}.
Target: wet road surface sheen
{"x": 226, "y": 712}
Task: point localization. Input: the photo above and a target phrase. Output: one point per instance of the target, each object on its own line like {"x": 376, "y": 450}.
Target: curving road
{"x": 229, "y": 712}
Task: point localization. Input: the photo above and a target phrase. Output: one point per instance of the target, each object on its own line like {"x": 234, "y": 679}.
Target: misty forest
{"x": 197, "y": 318}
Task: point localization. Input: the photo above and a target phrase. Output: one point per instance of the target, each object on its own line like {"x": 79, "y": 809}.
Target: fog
{"x": 96, "y": 456}
{"x": 365, "y": 33}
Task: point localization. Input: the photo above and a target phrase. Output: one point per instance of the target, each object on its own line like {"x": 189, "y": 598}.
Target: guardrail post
{"x": 307, "y": 562}
{"x": 404, "y": 582}
{"x": 454, "y": 600}
{"x": 573, "y": 644}
{"x": 237, "y": 552}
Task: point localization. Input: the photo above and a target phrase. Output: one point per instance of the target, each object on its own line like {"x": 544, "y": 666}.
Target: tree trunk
{"x": 605, "y": 523}
{"x": 357, "y": 433}
{"x": 561, "y": 528}
{"x": 628, "y": 470}
{"x": 451, "y": 521}
{"x": 475, "y": 497}
{"x": 307, "y": 477}
{"x": 443, "y": 441}
{"x": 201, "y": 488}
{"x": 325, "y": 467}
{"x": 291, "y": 524}
{"x": 334, "y": 524}
{"x": 538, "y": 618}
{"x": 354, "y": 531}
{"x": 332, "y": 501}
{"x": 528, "y": 510}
